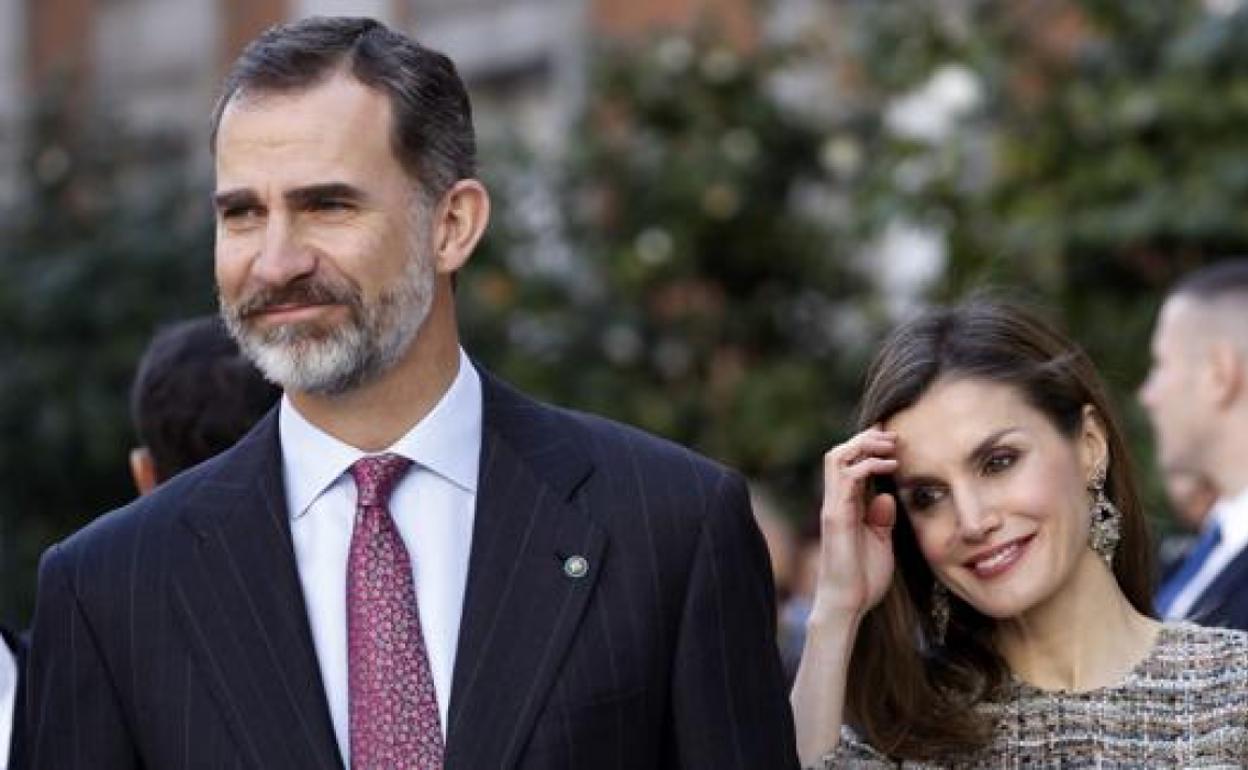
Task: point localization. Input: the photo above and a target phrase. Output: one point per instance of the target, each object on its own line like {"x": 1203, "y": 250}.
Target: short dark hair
{"x": 431, "y": 133}
{"x": 1215, "y": 280}
{"x": 195, "y": 394}
{"x": 919, "y": 701}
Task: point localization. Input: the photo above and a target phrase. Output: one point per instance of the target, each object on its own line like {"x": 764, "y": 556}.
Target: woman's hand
{"x": 856, "y": 563}
{"x": 855, "y": 567}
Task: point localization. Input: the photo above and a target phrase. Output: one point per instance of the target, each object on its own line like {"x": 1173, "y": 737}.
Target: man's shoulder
{"x": 610, "y": 438}
{"x": 145, "y": 521}
{"x": 1234, "y": 573}
{"x": 602, "y": 440}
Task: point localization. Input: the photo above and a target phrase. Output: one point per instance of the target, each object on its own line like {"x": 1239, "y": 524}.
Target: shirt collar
{"x": 447, "y": 441}
{"x": 1231, "y": 513}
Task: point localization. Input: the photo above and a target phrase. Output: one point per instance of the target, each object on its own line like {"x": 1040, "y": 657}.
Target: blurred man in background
{"x": 1196, "y": 395}
{"x": 194, "y": 395}
{"x": 1192, "y": 498}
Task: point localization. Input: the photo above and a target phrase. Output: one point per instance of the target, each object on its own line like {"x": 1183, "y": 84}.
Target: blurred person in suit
{"x": 408, "y": 564}
{"x": 193, "y": 396}
{"x": 782, "y": 548}
{"x": 798, "y": 601}
{"x": 778, "y": 534}
{"x": 1192, "y": 498}
{"x": 1196, "y": 396}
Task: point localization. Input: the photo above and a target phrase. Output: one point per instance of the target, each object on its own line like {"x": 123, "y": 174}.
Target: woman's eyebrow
{"x": 974, "y": 457}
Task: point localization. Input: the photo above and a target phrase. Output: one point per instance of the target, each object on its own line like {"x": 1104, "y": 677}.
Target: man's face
{"x": 1172, "y": 394}
{"x": 323, "y": 254}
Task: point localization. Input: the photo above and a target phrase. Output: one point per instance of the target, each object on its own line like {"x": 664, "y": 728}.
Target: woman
{"x": 984, "y": 589}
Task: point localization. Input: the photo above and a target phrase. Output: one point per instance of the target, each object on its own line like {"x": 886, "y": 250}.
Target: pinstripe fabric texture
{"x": 172, "y": 633}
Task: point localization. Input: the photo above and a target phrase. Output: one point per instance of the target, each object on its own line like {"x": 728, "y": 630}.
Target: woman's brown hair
{"x": 909, "y": 696}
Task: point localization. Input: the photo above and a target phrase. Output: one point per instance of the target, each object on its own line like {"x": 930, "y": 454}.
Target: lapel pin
{"x": 575, "y": 567}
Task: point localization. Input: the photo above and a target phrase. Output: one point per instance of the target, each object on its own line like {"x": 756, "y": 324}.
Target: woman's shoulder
{"x": 853, "y": 751}
{"x": 1189, "y": 639}
{"x": 1198, "y": 654}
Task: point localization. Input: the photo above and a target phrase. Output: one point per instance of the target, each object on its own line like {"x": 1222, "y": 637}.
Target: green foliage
{"x": 714, "y": 240}
{"x": 1104, "y": 158}
{"x": 96, "y": 258}
{"x": 682, "y": 286}
{"x": 700, "y": 261}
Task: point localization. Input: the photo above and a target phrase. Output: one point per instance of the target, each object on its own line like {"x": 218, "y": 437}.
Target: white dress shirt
{"x": 8, "y": 700}
{"x": 1231, "y": 514}
{"x": 433, "y": 507}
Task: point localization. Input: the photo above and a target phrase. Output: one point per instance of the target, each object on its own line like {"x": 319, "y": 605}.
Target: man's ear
{"x": 461, "y": 217}
{"x": 1093, "y": 443}
{"x": 143, "y": 469}
{"x": 1225, "y": 371}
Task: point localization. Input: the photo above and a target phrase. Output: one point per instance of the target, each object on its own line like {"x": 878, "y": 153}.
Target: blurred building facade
{"x": 154, "y": 65}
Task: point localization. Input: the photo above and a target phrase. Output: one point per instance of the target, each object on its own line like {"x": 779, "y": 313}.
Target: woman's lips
{"x": 996, "y": 561}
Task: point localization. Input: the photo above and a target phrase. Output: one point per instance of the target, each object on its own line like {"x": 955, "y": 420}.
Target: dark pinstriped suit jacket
{"x": 172, "y": 633}
{"x": 1224, "y": 602}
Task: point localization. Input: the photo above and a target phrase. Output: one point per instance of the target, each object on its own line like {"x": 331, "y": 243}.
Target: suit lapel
{"x": 525, "y": 594}
{"x": 237, "y": 596}
{"x": 1209, "y": 607}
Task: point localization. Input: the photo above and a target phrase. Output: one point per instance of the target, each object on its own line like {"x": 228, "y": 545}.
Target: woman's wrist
{"x": 831, "y": 625}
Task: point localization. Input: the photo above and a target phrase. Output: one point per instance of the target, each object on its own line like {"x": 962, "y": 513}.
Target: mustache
{"x": 302, "y": 291}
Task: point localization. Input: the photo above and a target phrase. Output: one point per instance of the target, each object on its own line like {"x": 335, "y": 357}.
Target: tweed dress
{"x": 1184, "y": 706}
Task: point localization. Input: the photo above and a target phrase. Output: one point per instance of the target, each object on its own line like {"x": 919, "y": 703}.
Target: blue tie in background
{"x": 1171, "y": 589}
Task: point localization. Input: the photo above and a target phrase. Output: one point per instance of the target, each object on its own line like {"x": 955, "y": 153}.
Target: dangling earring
{"x": 1106, "y": 527}
{"x": 940, "y": 611}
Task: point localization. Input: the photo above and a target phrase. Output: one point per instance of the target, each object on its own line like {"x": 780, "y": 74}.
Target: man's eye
{"x": 239, "y": 214}
{"x": 332, "y": 205}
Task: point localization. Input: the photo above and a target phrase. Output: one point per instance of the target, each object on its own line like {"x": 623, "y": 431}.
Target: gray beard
{"x": 332, "y": 361}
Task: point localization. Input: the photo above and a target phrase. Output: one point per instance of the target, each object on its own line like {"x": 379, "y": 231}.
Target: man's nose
{"x": 282, "y": 258}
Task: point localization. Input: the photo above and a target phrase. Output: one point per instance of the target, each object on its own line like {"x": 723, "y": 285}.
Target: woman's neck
{"x": 1085, "y": 637}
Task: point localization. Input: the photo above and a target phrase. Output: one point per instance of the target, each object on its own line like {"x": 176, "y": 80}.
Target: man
{"x": 1196, "y": 395}
{"x": 408, "y": 564}
{"x": 194, "y": 395}
{"x": 1192, "y": 498}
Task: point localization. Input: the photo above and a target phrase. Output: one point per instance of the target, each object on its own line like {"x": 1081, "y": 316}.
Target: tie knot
{"x": 376, "y": 476}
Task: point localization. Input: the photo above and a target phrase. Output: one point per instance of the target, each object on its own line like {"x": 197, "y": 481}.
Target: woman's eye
{"x": 998, "y": 462}
{"x": 922, "y": 498}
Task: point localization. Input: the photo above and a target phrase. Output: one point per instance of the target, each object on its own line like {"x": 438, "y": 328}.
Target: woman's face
{"x": 996, "y": 494}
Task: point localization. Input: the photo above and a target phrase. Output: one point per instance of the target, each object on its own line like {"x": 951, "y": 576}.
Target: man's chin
{"x": 293, "y": 371}
{"x": 326, "y": 367}
{"x": 294, "y": 335}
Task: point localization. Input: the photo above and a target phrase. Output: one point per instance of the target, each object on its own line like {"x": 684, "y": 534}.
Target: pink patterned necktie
{"x": 393, "y": 706}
